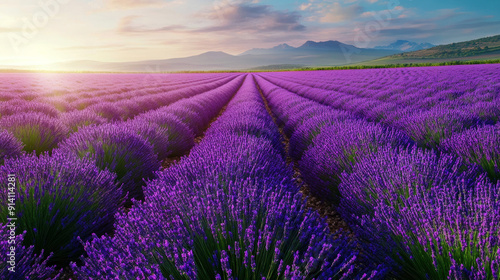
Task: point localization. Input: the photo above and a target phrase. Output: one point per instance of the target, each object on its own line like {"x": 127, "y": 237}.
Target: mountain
{"x": 312, "y": 48}
{"x": 310, "y": 54}
{"x": 277, "y": 49}
{"x": 457, "y": 50}
{"x": 324, "y": 46}
{"x": 405, "y": 46}
{"x": 487, "y": 48}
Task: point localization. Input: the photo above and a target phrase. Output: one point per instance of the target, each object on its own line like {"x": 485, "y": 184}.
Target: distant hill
{"x": 283, "y": 56}
{"x": 307, "y": 47}
{"x": 277, "y": 49}
{"x": 405, "y": 46}
{"x": 312, "y": 54}
{"x": 487, "y": 48}
{"x": 456, "y": 50}
{"x": 319, "y": 53}
{"x": 278, "y": 67}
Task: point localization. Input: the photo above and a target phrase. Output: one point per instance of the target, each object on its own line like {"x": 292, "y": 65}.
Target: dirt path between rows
{"x": 334, "y": 220}
{"x": 172, "y": 160}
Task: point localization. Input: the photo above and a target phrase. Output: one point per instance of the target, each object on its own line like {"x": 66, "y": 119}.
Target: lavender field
{"x": 345, "y": 174}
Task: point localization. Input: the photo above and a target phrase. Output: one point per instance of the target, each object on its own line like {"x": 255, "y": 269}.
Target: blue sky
{"x": 47, "y": 31}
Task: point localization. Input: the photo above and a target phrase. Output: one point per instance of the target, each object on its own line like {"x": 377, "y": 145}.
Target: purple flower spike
{"x": 60, "y": 196}
{"x": 9, "y": 146}
{"x": 36, "y": 131}
{"x": 119, "y": 149}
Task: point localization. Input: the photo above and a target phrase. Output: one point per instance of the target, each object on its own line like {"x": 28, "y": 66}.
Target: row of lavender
{"x": 64, "y": 197}
{"x": 66, "y": 89}
{"x": 423, "y": 214}
{"x": 383, "y": 185}
{"x": 40, "y": 127}
{"x": 229, "y": 210}
{"x": 454, "y": 110}
{"x": 77, "y": 108}
{"x": 420, "y": 88}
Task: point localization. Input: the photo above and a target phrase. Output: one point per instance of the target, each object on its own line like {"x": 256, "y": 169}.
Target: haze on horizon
{"x": 45, "y": 31}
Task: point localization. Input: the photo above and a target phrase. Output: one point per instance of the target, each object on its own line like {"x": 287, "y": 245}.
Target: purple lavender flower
{"x": 21, "y": 107}
{"x": 239, "y": 195}
{"x": 180, "y": 136}
{"x": 36, "y": 131}
{"x": 119, "y": 149}
{"x": 76, "y": 119}
{"x": 303, "y": 137}
{"x": 462, "y": 221}
{"x": 27, "y": 264}
{"x": 479, "y": 146}
{"x": 156, "y": 135}
{"x": 108, "y": 111}
{"x": 9, "y": 146}
{"x": 338, "y": 147}
{"x": 487, "y": 111}
{"x": 388, "y": 175}
{"x": 190, "y": 118}
{"x": 429, "y": 128}
{"x": 57, "y": 199}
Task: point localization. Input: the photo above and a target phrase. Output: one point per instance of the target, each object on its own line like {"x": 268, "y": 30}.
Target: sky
{"x": 44, "y": 31}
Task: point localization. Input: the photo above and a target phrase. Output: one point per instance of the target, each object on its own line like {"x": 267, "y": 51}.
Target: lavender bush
{"x": 235, "y": 214}
{"x": 479, "y": 146}
{"x": 338, "y": 147}
{"x": 180, "y": 136}
{"x": 119, "y": 149}
{"x": 60, "y": 198}
{"x": 429, "y": 128}
{"x": 9, "y": 146}
{"x": 156, "y": 135}
{"x": 36, "y": 131}
{"x": 187, "y": 116}
{"x": 21, "y": 107}
{"x": 388, "y": 176}
{"x": 236, "y": 230}
{"x": 441, "y": 232}
{"x": 304, "y": 135}
{"x": 108, "y": 110}
{"x": 76, "y": 119}
{"x": 28, "y": 265}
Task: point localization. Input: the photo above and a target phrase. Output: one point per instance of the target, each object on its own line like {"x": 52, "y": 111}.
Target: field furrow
{"x": 349, "y": 174}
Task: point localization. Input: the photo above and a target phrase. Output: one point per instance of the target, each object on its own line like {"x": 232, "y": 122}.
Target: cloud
{"x": 127, "y": 26}
{"x": 444, "y": 27}
{"x": 305, "y": 6}
{"x": 332, "y": 11}
{"x": 380, "y": 27}
{"x": 92, "y": 47}
{"x": 130, "y": 4}
{"x": 252, "y": 17}
{"x": 338, "y": 13}
{"x": 387, "y": 14}
{"x": 241, "y": 17}
{"x": 9, "y": 29}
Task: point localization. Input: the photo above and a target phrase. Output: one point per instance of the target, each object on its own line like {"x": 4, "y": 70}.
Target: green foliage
{"x": 58, "y": 200}
{"x": 400, "y": 65}
{"x": 434, "y": 259}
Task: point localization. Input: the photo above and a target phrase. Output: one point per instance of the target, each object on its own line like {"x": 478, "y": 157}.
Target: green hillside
{"x": 487, "y": 48}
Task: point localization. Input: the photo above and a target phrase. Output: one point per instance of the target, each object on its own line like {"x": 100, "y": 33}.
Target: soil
{"x": 333, "y": 218}
{"x": 168, "y": 162}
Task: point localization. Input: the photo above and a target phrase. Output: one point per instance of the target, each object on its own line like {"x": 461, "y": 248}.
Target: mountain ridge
{"x": 486, "y": 48}
{"x": 309, "y": 54}
{"x": 307, "y": 46}
{"x": 406, "y": 46}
